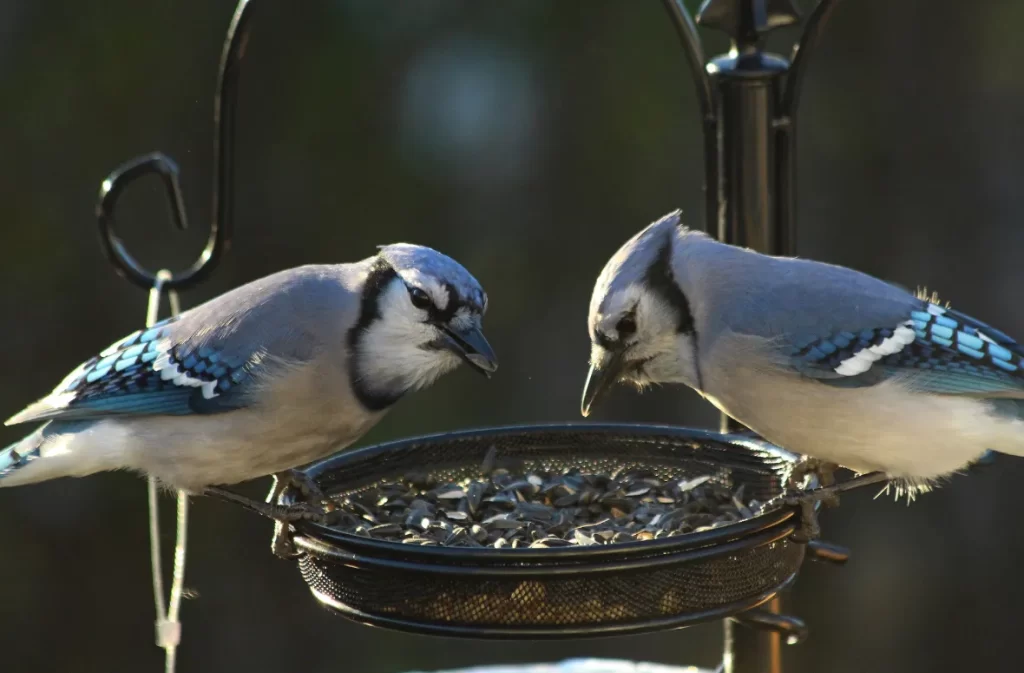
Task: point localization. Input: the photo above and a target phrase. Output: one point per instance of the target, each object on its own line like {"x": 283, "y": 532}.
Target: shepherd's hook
{"x": 220, "y": 223}
{"x": 164, "y": 281}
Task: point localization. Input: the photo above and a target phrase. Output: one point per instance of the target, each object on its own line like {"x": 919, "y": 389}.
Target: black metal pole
{"x": 749, "y": 87}
{"x": 748, "y": 100}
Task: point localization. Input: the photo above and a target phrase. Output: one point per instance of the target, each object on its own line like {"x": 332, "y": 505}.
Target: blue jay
{"x": 822, "y": 360}
{"x": 264, "y": 378}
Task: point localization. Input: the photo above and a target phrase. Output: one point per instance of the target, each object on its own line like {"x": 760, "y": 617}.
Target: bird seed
{"x": 508, "y": 508}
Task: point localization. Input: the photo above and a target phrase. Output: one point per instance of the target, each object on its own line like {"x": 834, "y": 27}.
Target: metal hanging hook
{"x": 220, "y": 223}
{"x": 110, "y": 192}
{"x": 168, "y": 624}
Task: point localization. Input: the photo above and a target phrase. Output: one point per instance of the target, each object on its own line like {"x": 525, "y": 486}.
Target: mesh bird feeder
{"x": 748, "y": 103}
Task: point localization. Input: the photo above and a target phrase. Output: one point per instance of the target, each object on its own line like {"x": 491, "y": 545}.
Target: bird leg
{"x": 314, "y": 509}
{"x": 822, "y": 493}
{"x": 806, "y": 500}
{"x": 300, "y": 511}
{"x": 281, "y": 544}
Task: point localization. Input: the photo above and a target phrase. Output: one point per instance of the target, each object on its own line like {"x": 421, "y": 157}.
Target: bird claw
{"x": 809, "y": 527}
{"x": 805, "y": 502}
{"x": 298, "y": 480}
{"x": 283, "y": 515}
{"x": 828, "y": 495}
{"x": 826, "y": 474}
{"x": 282, "y": 545}
{"x": 824, "y": 470}
{"x": 300, "y": 511}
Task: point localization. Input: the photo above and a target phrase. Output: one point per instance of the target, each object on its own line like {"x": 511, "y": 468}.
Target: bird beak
{"x": 472, "y": 347}
{"x": 600, "y": 379}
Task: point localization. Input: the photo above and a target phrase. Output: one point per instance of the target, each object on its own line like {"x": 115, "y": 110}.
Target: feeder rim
{"x": 336, "y": 460}
{"x": 327, "y": 541}
{"x": 658, "y": 557}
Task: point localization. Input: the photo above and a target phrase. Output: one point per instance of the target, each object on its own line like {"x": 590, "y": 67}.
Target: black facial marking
{"x": 623, "y": 329}
{"x": 606, "y": 342}
{"x": 454, "y": 304}
{"x": 443, "y": 316}
{"x": 660, "y": 280}
{"x": 381, "y": 273}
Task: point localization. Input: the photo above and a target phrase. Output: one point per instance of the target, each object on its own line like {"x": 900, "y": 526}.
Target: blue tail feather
{"x": 28, "y": 449}
{"x": 13, "y": 457}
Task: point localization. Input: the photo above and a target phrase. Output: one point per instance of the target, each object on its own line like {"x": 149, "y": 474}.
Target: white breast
{"x": 303, "y": 416}
{"x": 884, "y": 427}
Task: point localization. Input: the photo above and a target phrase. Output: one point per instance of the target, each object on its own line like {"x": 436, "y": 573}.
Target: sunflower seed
{"x": 490, "y": 461}
{"x": 517, "y": 507}
{"x": 692, "y": 483}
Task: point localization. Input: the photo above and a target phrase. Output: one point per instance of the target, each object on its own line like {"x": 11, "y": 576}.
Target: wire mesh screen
{"x": 569, "y": 590}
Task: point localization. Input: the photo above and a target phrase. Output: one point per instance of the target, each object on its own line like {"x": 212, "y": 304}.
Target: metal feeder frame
{"x": 565, "y": 592}
{"x": 748, "y": 102}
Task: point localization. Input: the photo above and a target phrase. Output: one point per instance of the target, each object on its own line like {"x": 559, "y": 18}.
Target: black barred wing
{"x": 148, "y": 372}
{"x": 935, "y": 349}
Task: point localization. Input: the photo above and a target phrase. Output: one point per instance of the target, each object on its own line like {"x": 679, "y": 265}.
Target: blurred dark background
{"x": 528, "y": 140}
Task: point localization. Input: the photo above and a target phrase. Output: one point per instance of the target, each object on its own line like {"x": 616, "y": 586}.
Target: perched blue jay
{"x": 270, "y": 376}
{"x": 819, "y": 359}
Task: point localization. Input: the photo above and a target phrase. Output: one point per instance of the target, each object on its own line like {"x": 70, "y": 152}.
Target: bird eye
{"x": 627, "y": 325}
{"x": 419, "y": 298}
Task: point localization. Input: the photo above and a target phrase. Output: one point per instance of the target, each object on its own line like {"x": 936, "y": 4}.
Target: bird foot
{"x": 823, "y": 470}
{"x": 809, "y": 528}
{"x": 295, "y": 479}
{"x": 299, "y": 511}
{"x": 826, "y": 495}
{"x": 282, "y": 515}
{"x": 281, "y": 544}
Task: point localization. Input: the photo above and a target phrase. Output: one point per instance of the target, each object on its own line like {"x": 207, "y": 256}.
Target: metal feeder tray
{"x": 565, "y": 592}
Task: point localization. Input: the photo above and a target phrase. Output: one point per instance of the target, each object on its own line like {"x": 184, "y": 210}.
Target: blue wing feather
{"x": 951, "y": 354}
{"x": 147, "y": 373}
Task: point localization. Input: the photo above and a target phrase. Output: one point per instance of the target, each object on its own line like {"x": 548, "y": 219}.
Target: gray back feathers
{"x": 289, "y": 314}
{"x": 727, "y": 287}
{"x": 743, "y": 291}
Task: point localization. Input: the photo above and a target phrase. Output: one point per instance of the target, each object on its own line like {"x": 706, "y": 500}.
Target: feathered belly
{"x": 879, "y": 428}
{"x": 230, "y": 448}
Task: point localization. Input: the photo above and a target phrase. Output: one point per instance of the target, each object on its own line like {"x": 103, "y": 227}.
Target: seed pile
{"x": 510, "y": 508}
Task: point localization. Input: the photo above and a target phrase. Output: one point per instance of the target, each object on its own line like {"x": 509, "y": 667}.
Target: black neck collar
{"x": 662, "y": 281}
{"x": 380, "y": 276}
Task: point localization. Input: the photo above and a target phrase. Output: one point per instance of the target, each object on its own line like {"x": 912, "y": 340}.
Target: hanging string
{"x": 168, "y": 625}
